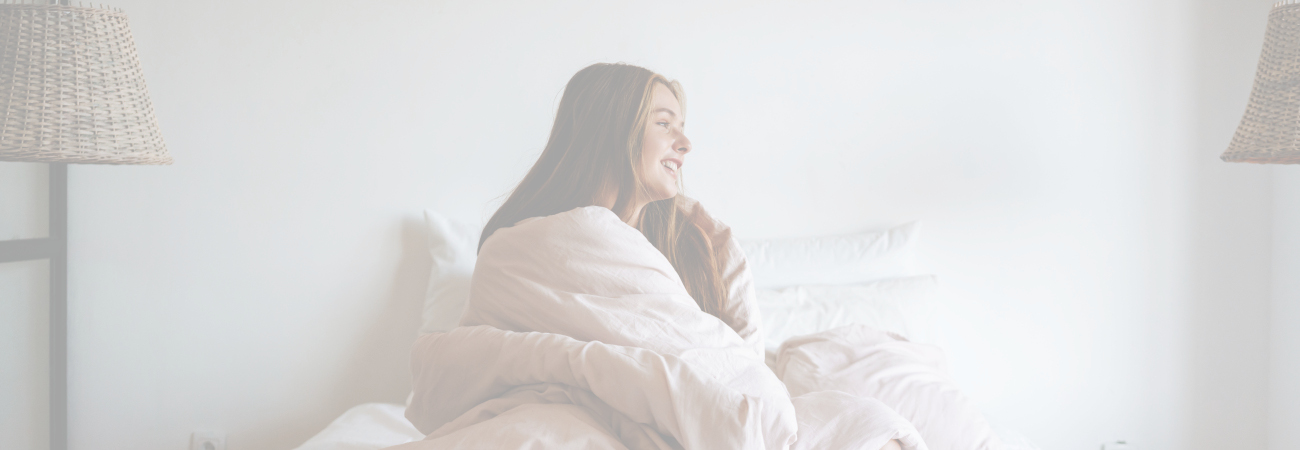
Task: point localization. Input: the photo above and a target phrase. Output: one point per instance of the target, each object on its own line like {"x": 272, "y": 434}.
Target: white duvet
{"x": 579, "y": 334}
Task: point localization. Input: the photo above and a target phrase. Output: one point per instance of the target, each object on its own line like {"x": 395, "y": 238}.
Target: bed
{"x": 802, "y": 286}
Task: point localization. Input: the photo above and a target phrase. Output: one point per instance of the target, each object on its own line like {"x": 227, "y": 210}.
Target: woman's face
{"x": 664, "y": 147}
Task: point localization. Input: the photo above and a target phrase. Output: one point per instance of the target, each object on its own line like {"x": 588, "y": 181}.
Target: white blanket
{"x": 579, "y": 334}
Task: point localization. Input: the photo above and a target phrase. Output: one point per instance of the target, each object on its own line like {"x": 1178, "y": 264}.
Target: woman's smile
{"x": 672, "y": 166}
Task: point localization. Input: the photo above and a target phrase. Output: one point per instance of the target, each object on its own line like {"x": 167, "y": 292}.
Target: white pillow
{"x": 905, "y": 306}
{"x": 847, "y": 259}
{"x": 453, "y": 245}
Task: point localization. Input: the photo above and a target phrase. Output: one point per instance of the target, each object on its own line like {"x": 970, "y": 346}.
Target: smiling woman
{"x": 619, "y": 142}
{"x": 598, "y": 262}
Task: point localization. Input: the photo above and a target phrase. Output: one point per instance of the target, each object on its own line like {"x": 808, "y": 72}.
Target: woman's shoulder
{"x": 583, "y": 214}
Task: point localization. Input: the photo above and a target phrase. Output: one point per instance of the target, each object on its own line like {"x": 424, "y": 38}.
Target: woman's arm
{"x": 740, "y": 310}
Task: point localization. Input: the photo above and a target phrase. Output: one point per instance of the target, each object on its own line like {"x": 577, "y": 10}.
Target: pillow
{"x": 847, "y": 259}
{"x": 453, "y": 245}
{"x": 905, "y": 306}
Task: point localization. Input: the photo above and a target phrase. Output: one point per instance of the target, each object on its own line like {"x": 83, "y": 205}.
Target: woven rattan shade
{"x": 1270, "y": 130}
{"x": 71, "y": 88}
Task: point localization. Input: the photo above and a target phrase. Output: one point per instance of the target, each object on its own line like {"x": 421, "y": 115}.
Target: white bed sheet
{"x": 372, "y": 426}
{"x": 368, "y": 426}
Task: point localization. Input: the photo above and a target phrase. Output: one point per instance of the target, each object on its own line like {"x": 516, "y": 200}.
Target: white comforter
{"x": 579, "y": 334}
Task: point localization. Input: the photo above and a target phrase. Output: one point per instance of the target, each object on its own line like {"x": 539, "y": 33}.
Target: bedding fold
{"x": 909, "y": 378}
{"x": 470, "y": 366}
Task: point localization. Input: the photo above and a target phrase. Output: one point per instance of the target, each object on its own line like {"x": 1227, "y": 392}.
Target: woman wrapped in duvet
{"x": 609, "y": 311}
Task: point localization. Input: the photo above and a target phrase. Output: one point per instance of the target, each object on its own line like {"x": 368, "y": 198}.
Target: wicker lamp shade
{"x": 1270, "y": 130}
{"x": 71, "y": 88}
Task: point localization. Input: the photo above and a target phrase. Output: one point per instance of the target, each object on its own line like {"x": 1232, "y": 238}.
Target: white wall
{"x": 1284, "y": 336}
{"x": 1232, "y": 281}
{"x": 272, "y": 277}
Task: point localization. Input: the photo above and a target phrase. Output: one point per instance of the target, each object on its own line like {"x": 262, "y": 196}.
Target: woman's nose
{"x": 683, "y": 144}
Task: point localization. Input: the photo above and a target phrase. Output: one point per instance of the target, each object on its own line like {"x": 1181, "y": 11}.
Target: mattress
{"x": 372, "y": 426}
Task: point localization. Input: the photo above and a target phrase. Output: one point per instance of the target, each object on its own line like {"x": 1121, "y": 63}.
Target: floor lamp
{"x": 71, "y": 92}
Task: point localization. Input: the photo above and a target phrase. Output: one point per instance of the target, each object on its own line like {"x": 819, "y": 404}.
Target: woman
{"x": 619, "y": 142}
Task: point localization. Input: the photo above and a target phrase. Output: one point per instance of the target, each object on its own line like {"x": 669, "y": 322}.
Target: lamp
{"x": 1270, "y": 130}
{"x": 71, "y": 91}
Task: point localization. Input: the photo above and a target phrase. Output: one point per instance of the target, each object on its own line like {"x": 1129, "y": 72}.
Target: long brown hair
{"x": 595, "y": 147}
